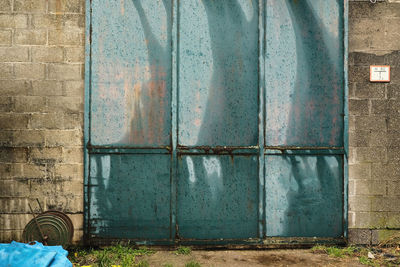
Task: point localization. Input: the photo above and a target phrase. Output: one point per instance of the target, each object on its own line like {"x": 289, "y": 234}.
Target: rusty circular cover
{"x": 55, "y": 229}
{"x": 65, "y": 218}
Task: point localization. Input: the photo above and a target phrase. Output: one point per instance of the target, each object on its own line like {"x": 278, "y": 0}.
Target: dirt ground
{"x": 233, "y": 258}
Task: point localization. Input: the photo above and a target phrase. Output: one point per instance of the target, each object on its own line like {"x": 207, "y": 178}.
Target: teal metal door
{"x": 215, "y": 121}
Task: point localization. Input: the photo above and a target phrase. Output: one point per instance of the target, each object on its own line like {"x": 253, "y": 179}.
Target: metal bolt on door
{"x": 216, "y": 121}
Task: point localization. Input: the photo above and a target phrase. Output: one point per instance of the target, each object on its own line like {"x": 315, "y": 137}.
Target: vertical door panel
{"x": 217, "y": 197}
{"x": 218, "y": 73}
{"x": 304, "y": 196}
{"x": 131, "y": 73}
{"x": 129, "y": 197}
{"x": 304, "y": 73}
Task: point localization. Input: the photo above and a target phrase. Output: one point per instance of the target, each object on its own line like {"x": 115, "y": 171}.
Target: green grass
{"x": 183, "y": 250}
{"x": 114, "y": 255}
{"x": 192, "y": 264}
{"x": 335, "y": 251}
{"x": 168, "y": 265}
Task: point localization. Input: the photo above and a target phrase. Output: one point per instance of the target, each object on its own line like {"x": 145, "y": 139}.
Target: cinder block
{"x": 393, "y": 59}
{"x": 371, "y": 154}
{"x": 393, "y": 155}
{"x": 30, "y": 37}
{"x": 45, "y": 153}
{"x": 366, "y": 59}
{"x": 359, "y": 236}
{"x": 73, "y": 121}
{"x": 69, "y": 171}
{"x": 367, "y": 123}
{"x": 6, "y": 137}
{"x": 30, "y": 104}
{"x": 370, "y": 187}
{"x": 47, "y": 54}
{"x": 393, "y": 138}
{"x": 395, "y": 72}
{"x": 370, "y": 220}
{"x": 14, "y": 88}
{"x": 74, "y": 88}
{"x": 358, "y": 107}
{"x": 28, "y": 71}
{"x": 358, "y": 74}
{"x": 66, "y": 6}
{"x": 63, "y": 37}
{"x": 370, "y": 26}
{"x": 360, "y": 203}
{"x": 393, "y": 221}
{"x": 6, "y": 103}
{"x": 13, "y": 21}
{"x": 77, "y": 220}
{"x": 385, "y": 107}
{"x": 47, "y": 121}
{"x": 34, "y": 170}
{"x": 359, "y": 138}
{"x": 14, "y": 154}
{"x": 10, "y": 170}
{"x": 5, "y": 37}
{"x": 369, "y": 90}
{"x": 14, "y": 121}
{"x": 14, "y": 188}
{"x": 359, "y": 42}
{"x": 28, "y": 138}
{"x": 63, "y": 72}
{"x": 394, "y": 188}
{"x": 5, "y": 5}
{"x": 14, "y": 221}
{"x": 378, "y": 139}
{"x": 47, "y": 88}
{"x": 383, "y": 235}
{"x": 73, "y": 155}
{"x": 14, "y": 54}
{"x": 393, "y": 91}
{"x": 64, "y": 138}
{"x": 65, "y": 104}
{"x": 390, "y": 203}
{"x": 389, "y": 171}
{"x": 59, "y": 21}
{"x": 378, "y": 41}
{"x": 393, "y": 123}
{"x": 75, "y": 54}
{"x": 30, "y": 6}
{"x": 77, "y": 239}
{"x": 6, "y": 71}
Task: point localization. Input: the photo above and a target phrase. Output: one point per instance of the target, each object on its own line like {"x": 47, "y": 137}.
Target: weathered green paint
{"x": 304, "y": 196}
{"x": 126, "y": 199}
{"x": 217, "y": 197}
{"x": 216, "y": 121}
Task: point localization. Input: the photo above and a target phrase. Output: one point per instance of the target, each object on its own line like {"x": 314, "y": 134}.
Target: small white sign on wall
{"x": 379, "y": 73}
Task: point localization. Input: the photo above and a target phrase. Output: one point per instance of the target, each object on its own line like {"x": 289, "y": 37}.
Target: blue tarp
{"x": 21, "y": 255}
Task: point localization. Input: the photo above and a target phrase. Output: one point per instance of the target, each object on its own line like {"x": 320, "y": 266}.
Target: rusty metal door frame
{"x": 176, "y": 150}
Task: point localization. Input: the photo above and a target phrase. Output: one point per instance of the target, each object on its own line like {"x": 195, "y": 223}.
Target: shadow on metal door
{"x": 215, "y": 122}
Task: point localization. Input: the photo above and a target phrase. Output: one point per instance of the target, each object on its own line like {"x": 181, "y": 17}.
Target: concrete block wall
{"x": 41, "y": 111}
{"x": 41, "y": 115}
{"x": 374, "y": 124}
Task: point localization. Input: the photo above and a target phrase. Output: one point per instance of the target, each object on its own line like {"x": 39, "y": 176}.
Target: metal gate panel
{"x": 217, "y": 197}
{"x": 218, "y": 73}
{"x": 130, "y": 73}
{"x": 304, "y": 73}
{"x": 304, "y": 195}
{"x": 215, "y": 121}
{"x": 129, "y": 198}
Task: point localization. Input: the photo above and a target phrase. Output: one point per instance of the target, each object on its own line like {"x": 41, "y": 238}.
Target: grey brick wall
{"x": 41, "y": 115}
{"x": 374, "y": 109}
{"x": 41, "y": 110}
